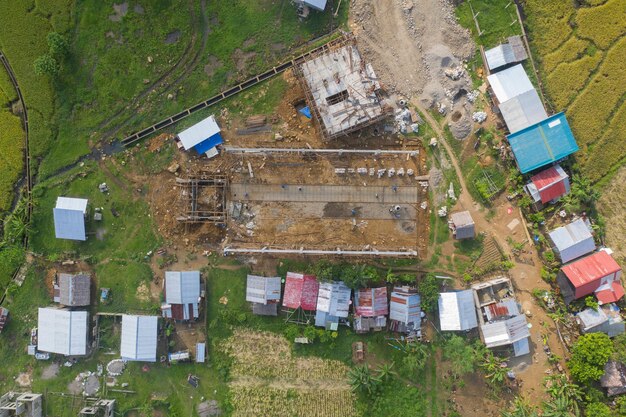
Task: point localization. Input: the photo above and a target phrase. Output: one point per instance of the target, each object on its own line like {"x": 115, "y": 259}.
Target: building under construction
{"x": 203, "y": 198}
{"x": 342, "y": 90}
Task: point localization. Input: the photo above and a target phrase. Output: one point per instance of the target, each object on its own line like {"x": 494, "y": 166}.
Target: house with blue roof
{"x": 203, "y": 137}
{"x": 69, "y": 218}
{"x": 543, "y": 143}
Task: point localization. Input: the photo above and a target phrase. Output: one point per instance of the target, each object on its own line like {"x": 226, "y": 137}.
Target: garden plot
{"x": 267, "y": 380}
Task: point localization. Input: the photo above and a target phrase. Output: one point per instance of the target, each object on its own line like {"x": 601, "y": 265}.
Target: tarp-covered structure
{"x": 572, "y": 241}
{"x": 62, "y": 331}
{"x": 69, "y": 218}
{"x": 139, "y": 338}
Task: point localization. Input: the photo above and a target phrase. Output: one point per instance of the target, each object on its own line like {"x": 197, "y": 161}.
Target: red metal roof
{"x": 611, "y": 295}
{"x": 550, "y": 184}
{"x": 301, "y": 291}
{"x": 371, "y": 302}
{"x": 591, "y": 268}
{"x": 499, "y": 310}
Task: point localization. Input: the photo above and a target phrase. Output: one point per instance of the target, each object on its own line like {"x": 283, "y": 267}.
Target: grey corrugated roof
{"x": 75, "y": 290}
{"x": 200, "y": 350}
{"x": 590, "y": 318}
{"x": 263, "y": 289}
{"x": 182, "y": 287}
{"x": 505, "y": 332}
{"x": 69, "y": 218}
{"x": 405, "y": 307}
{"x": 62, "y": 331}
{"x": 464, "y": 225}
{"x": 523, "y": 110}
{"x": 316, "y": 4}
{"x": 499, "y": 56}
{"x": 334, "y": 298}
{"x": 510, "y": 83}
{"x": 572, "y": 240}
{"x": 139, "y": 338}
{"x": 457, "y": 311}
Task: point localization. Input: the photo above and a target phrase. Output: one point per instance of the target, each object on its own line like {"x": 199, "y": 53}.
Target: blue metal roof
{"x": 209, "y": 143}
{"x": 543, "y": 143}
{"x": 69, "y": 224}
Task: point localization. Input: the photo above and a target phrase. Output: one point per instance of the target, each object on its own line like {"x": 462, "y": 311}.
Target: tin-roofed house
{"x": 73, "y": 290}
{"x": 597, "y": 274}
{"x": 69, "y": 218}
{"x": 572, "y": 241}
{"x": 457, "y": 311}
{"x": 203, "y": 137}
{"x": 505, "y": 54}
{"x": 543, "y": 143}
{"x": 606, "y": 319}
{"x": 405, "y": 313}
{"x": 371, "y": 307}
{"x": 264, "y": 294}
{"x": 548, "y": 186}
{"x": 333, "y": 304}
{"x": 139, "y": 338}
{"x": 502, "y": 325}
{"x": 614, "y": 378}
{"x": 300, "y": 297}
{"x": 62, "y": 331}
{"x": 462, "y": 225}
{"x": 4, "y": 318}
{"x": 182, "y": 295}
{"x": 22, "y": 404}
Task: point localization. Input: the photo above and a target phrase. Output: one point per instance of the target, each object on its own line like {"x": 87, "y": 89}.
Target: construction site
{"x": 328, "y": 173}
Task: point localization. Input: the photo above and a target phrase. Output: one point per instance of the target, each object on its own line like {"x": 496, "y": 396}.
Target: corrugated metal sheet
{"x": 62, "y": 331}
{"x": 499, "y": 56}
{"x": 69, "y": 218}
{"x": 523, "y": 110}
{"x": 611, "y": 295}
{"x": 371, "y": 302}
{"x": 200, "y": 352}
{"x": 457, "y": 311}
{"x": 324, "y": 319}
{"x": 199, "y": 132}
{"x": 262, "y": 289}
{"x": 405, "y": 307}
{"x": 521, "y": 347}
{"x": 334, "y": 298}
{"x": 300, "y": 291}
{"x": 591, "y": 268}
{"x": 519, "y": 50}
{"x": 463, "y": 224}
{"x": 503, "y": 309}
{"x": 572, "y": 241}
{"x": 139, "y": 338}
{"x": 182, "y": 287}
{"x": 510, "y": 83}
{"x": 316, "y": 4}
{"x": 550, "y": 184}
{"x": 590, "y": 318}
{"x": 543, "y": 143}
{"x": 74, "y": 290}
{"x": 505, "y": 332}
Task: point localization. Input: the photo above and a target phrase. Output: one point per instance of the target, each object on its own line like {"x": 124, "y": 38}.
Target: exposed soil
{"x": 242, "y": 58}
{"x": 213, "y": 64}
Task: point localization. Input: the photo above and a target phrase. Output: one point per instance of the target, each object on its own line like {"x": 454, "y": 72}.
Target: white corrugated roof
{"x": 200, "y": 350}
{"x": 199, "y": 132}
{"x": 334, "y": 298}
{"x": 139, "y": 338}
{"x": 262, "y": 289}
{"x": 523, "y": 110}
{"x": 505, "y": 332}
{"x": 510, "y": 83}
{"x": 316, "y": 4}
{"x": 62, "y": 331}
{"x": 182, "y": 287}
{"x": 457, "y": 311}
{"x": 572, "y": 240}
{"x": 499, "y": 56}
{"x": 70, "y": 203}
{"x": 405, "y": 307}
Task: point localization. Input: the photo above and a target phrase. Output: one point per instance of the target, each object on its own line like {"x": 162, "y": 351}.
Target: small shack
{"x": 203, "y": 137}
{"x": 69, "y": 218}
{"x": 606, "y": 319}
{"x": 597, "y": 274}
{"x": 139, "y": 338}
{"x": 333, "y": 304}
{"x": 543, "y": 143}
{"x": 22, "y": 404}
{"x": 572, "y": 241}
{"x": 462, "y": 225}
{"x": 614, "y": 378}
{"x": 264, "y": 294}
{"x": 371, "y": 307}
{"x": 62, "y": 331}
{"x": 405, "y": 314}
{"x": 200, "y": 352}
{"x": 548, "y": 186}
{"x": 98, "y": 408}
{"x": 4, "y": 318}
{"x": 73, "y": 290}
{"x": 457, "y": 311}
{"x": 300, "y": 298}
{"x": 182, "y": 295}
{"x": 506, "y": 54}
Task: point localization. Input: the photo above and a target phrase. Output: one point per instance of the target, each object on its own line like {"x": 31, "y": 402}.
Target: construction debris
{"x": 479, "y": 116}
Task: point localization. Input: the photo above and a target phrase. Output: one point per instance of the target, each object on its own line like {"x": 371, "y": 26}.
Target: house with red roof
{"x": 547, "y": 186}
{"x": 371, "y": 307}
{"x": 300, "y": 297}
{"x": 597, "y": 274}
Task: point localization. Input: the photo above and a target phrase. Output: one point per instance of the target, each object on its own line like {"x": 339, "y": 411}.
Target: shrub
{"x": 598, "y": 410}
{"x": 589, "y": 355}
{"x": 46, "y": 64}
{"x": 429, "y": 292}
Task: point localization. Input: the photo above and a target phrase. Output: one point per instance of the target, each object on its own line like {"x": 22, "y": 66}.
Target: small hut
{"x": 462, "y": 225}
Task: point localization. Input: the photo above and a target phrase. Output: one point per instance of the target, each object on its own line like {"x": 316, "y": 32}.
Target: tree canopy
{"x": 589, "y": 355}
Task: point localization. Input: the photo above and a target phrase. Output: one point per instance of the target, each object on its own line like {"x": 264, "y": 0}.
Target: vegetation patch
{"x": 602, "y": 24}
{"x": 566, "y": 81}
{"x": 571, "y": 50}
{"x": 549, "y": 23}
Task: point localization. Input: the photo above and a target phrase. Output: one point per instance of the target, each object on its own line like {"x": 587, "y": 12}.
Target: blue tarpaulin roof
{"x": 306, "y": 111}
{"x": 209, "y": 143}
{"x": 542, "y": 143}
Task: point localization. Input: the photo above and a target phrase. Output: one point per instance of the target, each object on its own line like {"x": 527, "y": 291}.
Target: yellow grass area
{"x": 611, "y": 204}
{"x": 552, "y": 17}
{"x": 609, "y": 151}
{"x": 571, "y": 50}
{"x": 567, "y": 80}
{"x": 267, "y": 380}
{"x": 602, "y": 24}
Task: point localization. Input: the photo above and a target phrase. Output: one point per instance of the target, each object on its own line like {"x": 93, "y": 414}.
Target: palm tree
{"x": 521, "y": 408}
{"x": 558, "y": 386}
{"x": 495, "y": 372}
{"x": 361, "y": 379}
{"x": 559, "y": 407}
{"x": 385, "y": 372}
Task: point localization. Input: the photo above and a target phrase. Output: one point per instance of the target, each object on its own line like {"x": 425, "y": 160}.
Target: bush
{"x": 589, "y": 355}
{"x": 46, "y": 64}
{"x": 598, "y": 410}
{"x": 429, "y": 292}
